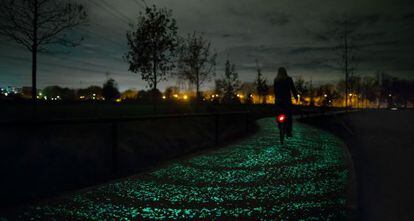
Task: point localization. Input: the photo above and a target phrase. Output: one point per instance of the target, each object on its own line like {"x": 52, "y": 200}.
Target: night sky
{"x": 277, "y": 33}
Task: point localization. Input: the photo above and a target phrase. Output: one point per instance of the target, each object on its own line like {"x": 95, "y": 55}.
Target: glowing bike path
{"x": 256, "y": 178}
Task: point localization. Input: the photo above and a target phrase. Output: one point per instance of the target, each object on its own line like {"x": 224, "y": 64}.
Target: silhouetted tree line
{"x": 362, "y": 91}
{"x": 156, "y": 52}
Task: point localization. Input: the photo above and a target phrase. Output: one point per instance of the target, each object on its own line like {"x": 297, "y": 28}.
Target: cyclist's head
{"x": 282, "y": 74}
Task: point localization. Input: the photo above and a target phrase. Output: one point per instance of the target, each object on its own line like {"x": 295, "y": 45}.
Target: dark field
{"x": 382, "y": 147}
{"x": 42, "y": 160}
{"x": 65, "y": 110}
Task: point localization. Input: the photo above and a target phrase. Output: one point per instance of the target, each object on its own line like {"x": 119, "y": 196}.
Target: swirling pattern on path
{"x": 255, "y": 178}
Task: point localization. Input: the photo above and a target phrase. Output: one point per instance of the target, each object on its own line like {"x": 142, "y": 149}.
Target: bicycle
{"x": 281, "y": 122}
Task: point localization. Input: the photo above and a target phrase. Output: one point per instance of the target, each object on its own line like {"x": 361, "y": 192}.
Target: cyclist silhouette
{"x": 284, "y": 88}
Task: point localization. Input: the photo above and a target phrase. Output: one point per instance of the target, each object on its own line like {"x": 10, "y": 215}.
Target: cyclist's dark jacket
{"x": 284, "y": 89}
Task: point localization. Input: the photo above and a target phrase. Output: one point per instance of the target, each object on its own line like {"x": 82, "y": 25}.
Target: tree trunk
{"x": 34, "y": 73}
{"x": 34, "y": 86}
{"x": 346, "y": 70}
{"x": 34, "y": 57}
{"x": 154, "y": 99}
{"x": 379, "y": 102}
{"x": 197, "y": 91}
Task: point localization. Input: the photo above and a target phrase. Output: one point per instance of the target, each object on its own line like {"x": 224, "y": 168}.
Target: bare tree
{"x": 196, "y": 61}
{"x": 370, "y": 89}
{"x": 345, "y": 34}
{"x": 228, "y": 85}
{"x": 261, "y": 84}
{"x": 302, "y": 88}
{"x": 110, "y": 90}
{"x": 36, "y": 24}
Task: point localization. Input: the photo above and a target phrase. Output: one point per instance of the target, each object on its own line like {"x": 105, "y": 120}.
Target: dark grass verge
{"x": 46, "y": 161}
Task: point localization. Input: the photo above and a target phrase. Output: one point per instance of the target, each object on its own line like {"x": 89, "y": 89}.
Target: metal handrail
{"x": 114, "y": 119}
{"x": 115, "y": 122}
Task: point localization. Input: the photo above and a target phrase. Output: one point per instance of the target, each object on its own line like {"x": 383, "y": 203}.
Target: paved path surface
{"x": 256, "y": 178}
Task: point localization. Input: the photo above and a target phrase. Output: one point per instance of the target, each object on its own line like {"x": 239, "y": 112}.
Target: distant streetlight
{"x": 185, "y": 97}
{"x": 164, "y": 97}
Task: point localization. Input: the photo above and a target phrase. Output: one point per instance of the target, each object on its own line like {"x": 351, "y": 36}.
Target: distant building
{"x": 26, "y": 92}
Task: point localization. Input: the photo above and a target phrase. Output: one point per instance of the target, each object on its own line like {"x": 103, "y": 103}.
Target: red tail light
{"x": 281, "y": 118}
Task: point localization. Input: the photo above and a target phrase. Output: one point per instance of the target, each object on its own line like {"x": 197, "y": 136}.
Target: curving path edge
{"x": 255, "y": 178}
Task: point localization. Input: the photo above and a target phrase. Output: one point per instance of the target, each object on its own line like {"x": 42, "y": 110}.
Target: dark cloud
{"x": 277, "y": 33}
{"x": 377, "y": 44}
{"x": 280, "y": 19}
{"x": 317, "y": 65}
{"x": 301, "y": 50}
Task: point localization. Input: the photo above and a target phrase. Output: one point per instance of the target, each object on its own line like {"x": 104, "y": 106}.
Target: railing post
{"x": 216, "y": 129}
{"x": 114, "y": 148}
{"x": 247, "y": 122}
